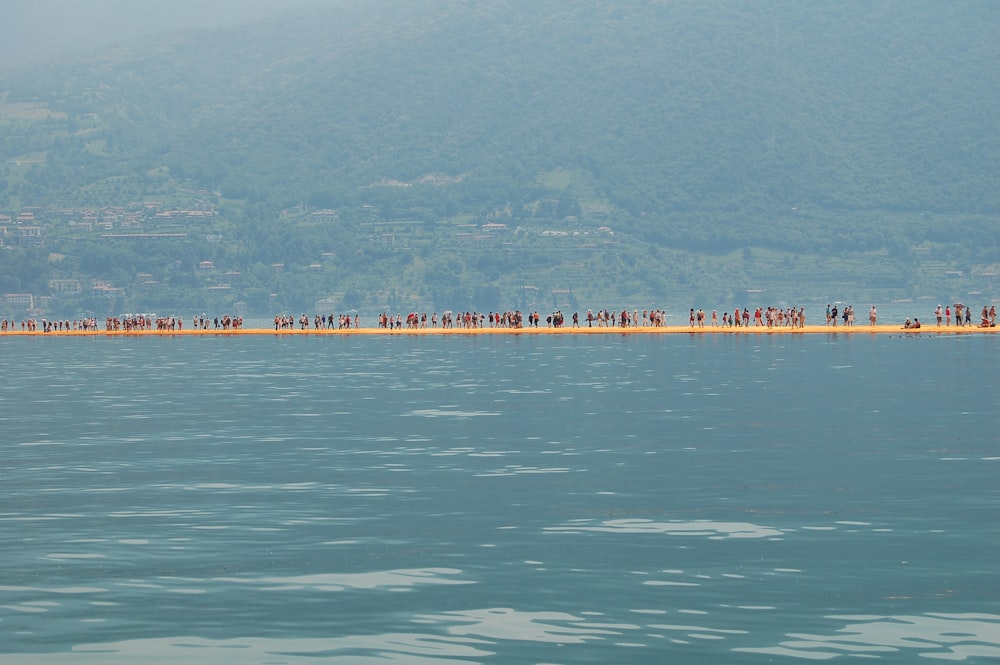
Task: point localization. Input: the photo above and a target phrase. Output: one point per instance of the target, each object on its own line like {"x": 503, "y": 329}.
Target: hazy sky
{"x": 43, "y": 29}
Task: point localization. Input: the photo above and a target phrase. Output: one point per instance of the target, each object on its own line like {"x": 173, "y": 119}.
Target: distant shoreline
{"x": 564, "y": 330}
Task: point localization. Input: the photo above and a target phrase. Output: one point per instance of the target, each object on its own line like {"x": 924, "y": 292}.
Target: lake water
{"x": 499, "y": 499}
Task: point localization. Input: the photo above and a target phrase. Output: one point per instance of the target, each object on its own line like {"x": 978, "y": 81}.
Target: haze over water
{"x": 450, "y": 499}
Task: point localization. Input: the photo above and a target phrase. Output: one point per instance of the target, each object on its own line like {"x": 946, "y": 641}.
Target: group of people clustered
{"x": 987, "y": 317}
{"x": 168, "y": 323}
{"x": 126, "y": 323}
{"x": 770, "y": 317}
{"x": 341, "y": 322}
{"x": 34, "y": 325}
{"x": 141, "y": 322}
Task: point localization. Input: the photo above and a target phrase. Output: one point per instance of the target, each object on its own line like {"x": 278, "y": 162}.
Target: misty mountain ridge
{"x": 776, "y": 130}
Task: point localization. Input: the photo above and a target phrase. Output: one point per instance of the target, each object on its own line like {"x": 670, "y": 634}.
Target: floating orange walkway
{"x": 564, "y": 330}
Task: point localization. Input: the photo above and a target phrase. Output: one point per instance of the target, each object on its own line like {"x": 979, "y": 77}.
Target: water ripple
{"x": 393, "y": 580}
{"x": 712, "y": 530}
{"x": 932, "y": 635}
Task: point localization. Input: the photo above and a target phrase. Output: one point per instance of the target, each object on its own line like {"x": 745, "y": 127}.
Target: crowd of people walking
{"x": 517, "y": 319}
{"x": 759, "y": 317}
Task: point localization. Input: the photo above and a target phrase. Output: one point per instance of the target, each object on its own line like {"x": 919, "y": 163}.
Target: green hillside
{"x": 513, "y": 154}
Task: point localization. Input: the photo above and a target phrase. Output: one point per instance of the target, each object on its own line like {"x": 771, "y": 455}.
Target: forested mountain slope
{"x": 631, "y": 151}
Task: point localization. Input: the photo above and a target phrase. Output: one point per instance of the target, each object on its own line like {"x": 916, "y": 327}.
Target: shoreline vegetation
{"x": 880, "y": 329}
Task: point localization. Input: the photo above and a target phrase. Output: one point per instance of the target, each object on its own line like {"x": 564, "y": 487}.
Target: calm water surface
{"x": 449, "y": 500}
